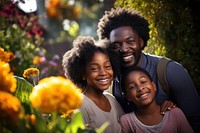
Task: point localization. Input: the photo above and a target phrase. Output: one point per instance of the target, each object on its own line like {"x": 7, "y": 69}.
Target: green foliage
{"x": 174, "y": 32}
{"x": 14, "y": 39}
{"x": 24, "y": 88}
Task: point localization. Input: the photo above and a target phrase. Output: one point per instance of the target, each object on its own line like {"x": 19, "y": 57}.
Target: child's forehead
{"x": 99, "y": 56}
{"x": 136, "y": 73}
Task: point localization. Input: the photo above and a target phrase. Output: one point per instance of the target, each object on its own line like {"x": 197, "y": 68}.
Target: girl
{"x": 140, "y": 89}
{"x": 90, "y": 68}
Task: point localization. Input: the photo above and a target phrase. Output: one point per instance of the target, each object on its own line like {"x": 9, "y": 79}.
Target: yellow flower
{"x": 68, "y": 113}
{"x": 30, "y": 72}
{"x": 31, "y": 118}
{"x": 10, "y": 108}
{"x": 38, "y": 60}
{"x": 6, "y": 56}
{"x": 7, "y": 81}
{"x": 56, "y": 94}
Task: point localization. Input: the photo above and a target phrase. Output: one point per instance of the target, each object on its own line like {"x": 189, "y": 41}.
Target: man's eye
{"x": 130, "y": 41}
{"x": 115, "y": 45}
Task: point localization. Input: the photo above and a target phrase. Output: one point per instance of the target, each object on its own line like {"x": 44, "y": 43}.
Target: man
{"x": 128, "y": 33}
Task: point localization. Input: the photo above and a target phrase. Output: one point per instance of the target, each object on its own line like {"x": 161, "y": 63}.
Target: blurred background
{"x": 39, "y": 32}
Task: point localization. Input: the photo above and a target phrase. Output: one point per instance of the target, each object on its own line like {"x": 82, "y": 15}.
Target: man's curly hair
{"x": 75, "y": 60}
{"x": 118, "y": 17}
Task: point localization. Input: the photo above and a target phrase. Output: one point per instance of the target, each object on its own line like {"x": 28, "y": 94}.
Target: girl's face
{"x": 140, "y": 89}
{"x": 99, "y": 73}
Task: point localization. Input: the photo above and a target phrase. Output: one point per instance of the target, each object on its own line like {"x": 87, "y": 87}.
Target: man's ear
{"x": 141, "y": 42}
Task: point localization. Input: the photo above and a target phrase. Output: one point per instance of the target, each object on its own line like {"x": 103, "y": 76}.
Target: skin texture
{"x": 128, "y": 45}
{"x": 98, "y": 75}
{"x": 141, "y": 90}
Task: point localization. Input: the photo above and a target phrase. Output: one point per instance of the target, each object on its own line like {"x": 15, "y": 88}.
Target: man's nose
{"x": 124, "y": 47}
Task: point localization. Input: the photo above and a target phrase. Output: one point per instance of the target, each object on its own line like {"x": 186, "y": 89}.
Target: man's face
{"x": 127, "y": 44}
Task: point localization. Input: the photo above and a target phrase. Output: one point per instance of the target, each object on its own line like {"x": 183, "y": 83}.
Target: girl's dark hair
{"x": 75, "y": 60}
{"x": 132, "y": 69}
{"x": 118, "y": 17}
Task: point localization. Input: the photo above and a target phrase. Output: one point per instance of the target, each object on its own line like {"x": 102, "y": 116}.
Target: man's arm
{"x": 184, "y": 93}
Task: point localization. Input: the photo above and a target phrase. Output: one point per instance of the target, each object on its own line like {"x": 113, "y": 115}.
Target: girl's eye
{"x": 131, "y": 87}
{"x": 144, "y": 81}
{"x": 108, "y": 67}
{"x": 94, "y": 69}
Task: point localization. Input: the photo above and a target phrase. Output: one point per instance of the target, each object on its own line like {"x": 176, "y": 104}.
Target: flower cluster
{"x": 10, "y": 106}
{"x": 8, "y": 82}
{"x": 6, "y": 56}
{"x": 56, "y": 94}
{"x": 62, "y": 9}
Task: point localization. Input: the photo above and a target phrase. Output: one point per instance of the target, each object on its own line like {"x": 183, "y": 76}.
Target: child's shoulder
{"x": 107, "y": 94}
{"x": 176, "y": 111}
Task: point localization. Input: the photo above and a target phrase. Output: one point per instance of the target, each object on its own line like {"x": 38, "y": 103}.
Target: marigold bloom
{"x": 56, "y": 94}
{"x": 30, "y": 72}
{"x": 8, "y": 82}
{"x": 10, "y": 108}
{"x": 6, "y": 56}
{"x": 31, "y": 118}
{"x": 10, "y": 56}
{"x": 53, "y": 8}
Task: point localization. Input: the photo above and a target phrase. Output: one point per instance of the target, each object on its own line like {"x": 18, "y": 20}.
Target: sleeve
{"x": 125, "y": 123}
{"x": 184, "y": 93}
{"x": 181, "y": 120}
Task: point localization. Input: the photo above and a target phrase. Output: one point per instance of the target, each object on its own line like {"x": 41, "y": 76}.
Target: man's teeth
{"x": 127, "y": 58}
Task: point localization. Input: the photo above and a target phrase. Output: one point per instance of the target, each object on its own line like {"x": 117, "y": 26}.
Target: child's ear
{"x": 128, "y": 97}
{"x": 154, "y": 86}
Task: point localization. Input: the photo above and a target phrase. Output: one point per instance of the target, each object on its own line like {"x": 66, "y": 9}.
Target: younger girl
{"x": 140, "y": 89}
{"x": 90, "y": 68}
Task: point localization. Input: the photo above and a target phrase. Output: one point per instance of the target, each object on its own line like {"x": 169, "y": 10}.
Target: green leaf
{"x": 24, "y": 88}
{"x": 102, "y": 128}
{"x": 76, "y": 123}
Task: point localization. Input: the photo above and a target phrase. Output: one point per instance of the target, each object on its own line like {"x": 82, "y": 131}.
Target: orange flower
{"x": 8, "y": 82}
{"x": 30, "y": 72}
{"x": 31, "y": 118}
{"x": 6, "y": 56}
{"x": 56, "y": 94}
{"x": 10, "y": 108}
{"x": 67, "y": 114}
{"x": 53, "y": 8}
{"x": 38, "y": 60}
